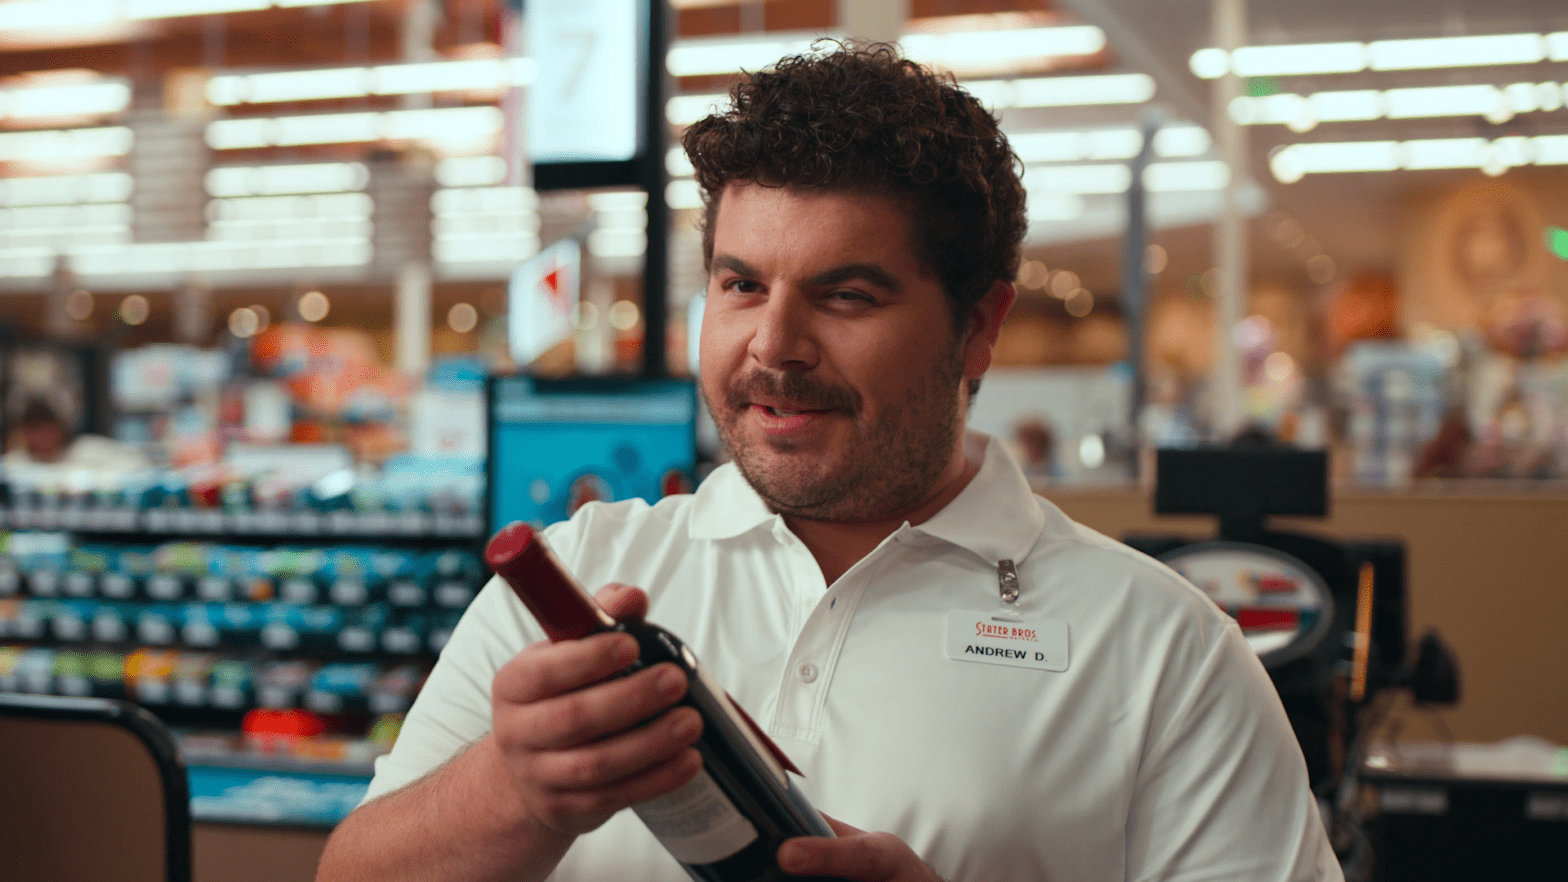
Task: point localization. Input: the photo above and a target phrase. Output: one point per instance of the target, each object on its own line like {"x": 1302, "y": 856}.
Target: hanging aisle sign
{"x": 542, "y": 300}
{"x": 591, "y": 70}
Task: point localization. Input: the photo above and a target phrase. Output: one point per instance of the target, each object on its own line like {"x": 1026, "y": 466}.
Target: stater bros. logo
{"x": 1005, "y": 632}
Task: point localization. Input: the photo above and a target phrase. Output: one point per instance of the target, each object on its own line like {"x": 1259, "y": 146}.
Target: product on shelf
{"x": 341, "y": 686}
{"x": 149, "y": 675}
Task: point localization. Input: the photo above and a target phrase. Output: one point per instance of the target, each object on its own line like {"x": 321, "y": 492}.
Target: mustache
{"x": 797, "y": 389}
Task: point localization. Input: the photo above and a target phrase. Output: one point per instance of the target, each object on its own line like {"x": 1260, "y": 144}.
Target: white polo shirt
{"x": 1147, "y": 744}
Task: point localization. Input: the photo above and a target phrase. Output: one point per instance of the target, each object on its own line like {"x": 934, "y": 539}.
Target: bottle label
{"x": 697, "y": 823}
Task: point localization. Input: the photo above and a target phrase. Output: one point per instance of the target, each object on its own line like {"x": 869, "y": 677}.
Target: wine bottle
{"x": 725, "y": 825}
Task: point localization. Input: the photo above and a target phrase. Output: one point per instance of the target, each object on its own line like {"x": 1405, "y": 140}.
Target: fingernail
{"x": 671, "y": 682}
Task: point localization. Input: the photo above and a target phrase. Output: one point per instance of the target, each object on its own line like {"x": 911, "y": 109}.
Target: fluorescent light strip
{"x": 1046, "y": 206}
{"x": 469, "y": 225}
{"x": 275, "y": 208}
{"x": 505, "y": 250}
{"x": 990, "y": 48}
{"x": 55, "y": 218}
{"x": 139, "y": 9}
{"x": 1080, "y": 145}
{"x": 728, "y": 55}
{"x": 54, "y": 145}
{"x": 487, "y": 74}
{"x": 683, "y": 193}
{"x": 1109, "y": 178}
{"x": 1292, "y": 163}
{"x": 1420, "y": 54}
{"x": 1478, "y": 51}
{"x": 291, "y": 228}
{"x": 619, "y": 242}
{"x": 456, "y": 128}
{"x": 470, "y": 171}
{"x": 1496, "y": 103}
{"x": 484, "y": 201}
{"x": 218, "y": 255}
{"x": 53, "y": 102}
{"x": 32, "y": 15}
{"x": 96, "y": 187}
{"x": 1062, "y": 91}
{"x": 275, "y": 180}
{"x": 28, "y": 261}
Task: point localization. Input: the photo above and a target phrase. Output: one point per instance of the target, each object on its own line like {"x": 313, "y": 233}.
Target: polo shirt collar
{"x": 726, "y": 506}
{"x": 997, "y": 515}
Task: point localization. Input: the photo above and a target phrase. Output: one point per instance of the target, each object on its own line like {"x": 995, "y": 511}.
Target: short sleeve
{"x": 1222, "y": 790}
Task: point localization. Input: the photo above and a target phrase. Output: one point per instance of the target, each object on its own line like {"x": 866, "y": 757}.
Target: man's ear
{"x": 985, "y": 327}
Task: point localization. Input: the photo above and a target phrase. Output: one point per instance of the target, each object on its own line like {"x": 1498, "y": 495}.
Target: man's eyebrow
{"x": 869, "y": 272}
{"x": 733, "y": 264}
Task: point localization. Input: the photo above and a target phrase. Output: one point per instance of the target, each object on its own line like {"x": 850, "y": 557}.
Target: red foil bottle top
{"x": 564, "y": 610}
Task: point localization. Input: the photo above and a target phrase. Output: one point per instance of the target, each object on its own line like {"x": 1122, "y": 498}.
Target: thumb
{"x": 622, "y": 602}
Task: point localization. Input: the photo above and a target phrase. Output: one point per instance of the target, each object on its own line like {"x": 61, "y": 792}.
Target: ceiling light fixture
{"x": 468, "y": 75}
{"x": 1496, "y": 104}
{"x": 277, "y": 180}
{"x": 24, "y": 15}
{"x": 448, "y": 129}
{"x": 67, "y": 100}
{"x": 55, "y": 145}
{"x": 1121, "y": 142}
{"x": 1057, "y": 91}
{"x": 1294, "y": 162}
{"x": 67, "y": 189}
{"x": 709, "y": 56}
{"x": 1419, "y": 54}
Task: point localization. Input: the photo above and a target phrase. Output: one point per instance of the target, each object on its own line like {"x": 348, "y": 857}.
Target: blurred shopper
{"x": 43, "y": 437}
{"x": 864, "y": 220}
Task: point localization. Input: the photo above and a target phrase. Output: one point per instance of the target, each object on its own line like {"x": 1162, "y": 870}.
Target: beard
{"x": 891, "y": 461}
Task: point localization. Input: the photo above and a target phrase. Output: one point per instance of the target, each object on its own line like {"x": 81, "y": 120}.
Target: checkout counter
{"x": 1328, "y": 610}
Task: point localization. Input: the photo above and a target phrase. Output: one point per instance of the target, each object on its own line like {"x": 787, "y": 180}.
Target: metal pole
{"x": 1135, "y": 277}
{"x": 656, "y": 260}
{"x": 1230, "y": 234}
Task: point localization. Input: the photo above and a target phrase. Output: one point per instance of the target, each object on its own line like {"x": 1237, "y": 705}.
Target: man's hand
{"x": 569, "y": 729}
{"x": 855, "y": 855}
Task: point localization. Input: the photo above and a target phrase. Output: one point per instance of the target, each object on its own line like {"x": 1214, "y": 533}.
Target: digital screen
{"x": 557, "y": 444}
{"x": 583, "y": 102}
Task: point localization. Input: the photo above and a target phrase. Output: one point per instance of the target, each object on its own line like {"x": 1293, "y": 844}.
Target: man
{"x": 862, "y": 226}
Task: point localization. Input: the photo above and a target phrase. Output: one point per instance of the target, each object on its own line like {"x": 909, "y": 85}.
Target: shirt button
{"x": 807, "y": 672}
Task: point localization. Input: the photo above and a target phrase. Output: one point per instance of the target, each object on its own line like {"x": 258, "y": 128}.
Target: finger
{"x": 587, "y": 808}
{"x": 863, "y": 857}
{"x": 545, "y": 670}
{"x": 620, "y": 757}
{"x": 622, "y": 602}
{"x": 599, "y": 710}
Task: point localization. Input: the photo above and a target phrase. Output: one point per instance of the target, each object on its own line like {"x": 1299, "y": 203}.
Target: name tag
{"x": 991, "y": 638}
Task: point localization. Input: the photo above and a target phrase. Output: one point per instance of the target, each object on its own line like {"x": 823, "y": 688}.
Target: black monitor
{"x": 558, "y": 443}
{"x": 1241, "y": 485}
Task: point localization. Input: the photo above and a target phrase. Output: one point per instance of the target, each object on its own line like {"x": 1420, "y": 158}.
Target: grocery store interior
{"x": 301, "y": 299}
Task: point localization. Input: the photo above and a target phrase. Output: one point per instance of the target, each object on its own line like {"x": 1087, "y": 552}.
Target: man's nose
{"x": 783, "y": 338}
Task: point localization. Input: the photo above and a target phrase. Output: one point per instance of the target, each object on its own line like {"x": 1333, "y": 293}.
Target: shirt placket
{"x": 803, "y": 688}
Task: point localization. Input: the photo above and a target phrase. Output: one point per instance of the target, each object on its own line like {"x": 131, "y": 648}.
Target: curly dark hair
{"x": 863, "y": 119}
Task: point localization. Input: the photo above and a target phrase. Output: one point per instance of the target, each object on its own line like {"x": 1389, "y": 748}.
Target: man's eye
{"x": 741, "y": 286}
{"x": 849, "y": 295}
